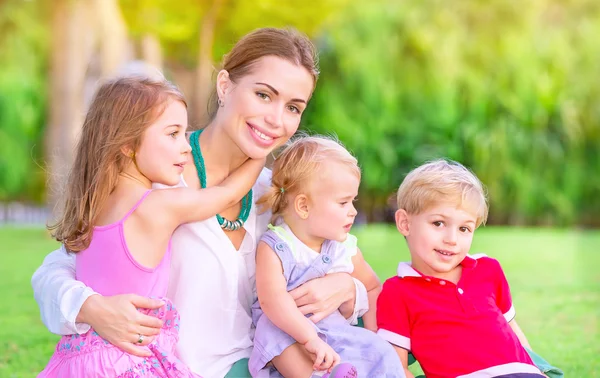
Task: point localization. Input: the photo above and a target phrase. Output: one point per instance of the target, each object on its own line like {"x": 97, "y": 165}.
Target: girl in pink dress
{"x": 120, "y": 229}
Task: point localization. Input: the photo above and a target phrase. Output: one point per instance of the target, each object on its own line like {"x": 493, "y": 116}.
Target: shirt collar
{"x": 406, "y": 270}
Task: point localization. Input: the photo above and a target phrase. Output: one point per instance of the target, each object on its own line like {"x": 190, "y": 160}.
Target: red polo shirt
{"x": 454, "y": 330}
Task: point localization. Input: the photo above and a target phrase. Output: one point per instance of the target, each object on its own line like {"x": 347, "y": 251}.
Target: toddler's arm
{"x": 364, "y": 273}
{"x": 277, "y": 304}
{"x": 190, "y": 205}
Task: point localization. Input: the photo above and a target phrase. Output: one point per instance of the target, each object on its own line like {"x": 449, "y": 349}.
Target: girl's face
{"x": 164, "y": 147}
{"x": 332, "y": 212}
{"x": 262, "y": 110}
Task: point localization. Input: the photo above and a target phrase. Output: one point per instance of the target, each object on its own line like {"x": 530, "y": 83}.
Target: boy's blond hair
{"x": 442, "y": 181}
{"x": 298, "y": 166}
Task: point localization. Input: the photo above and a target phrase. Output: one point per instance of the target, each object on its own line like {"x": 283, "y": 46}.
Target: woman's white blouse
{"x": 211, "y": 283}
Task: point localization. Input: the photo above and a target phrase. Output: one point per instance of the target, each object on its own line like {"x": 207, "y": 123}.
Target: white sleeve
{"x": 58, "y": 294}
{"x": 361, "y": 304}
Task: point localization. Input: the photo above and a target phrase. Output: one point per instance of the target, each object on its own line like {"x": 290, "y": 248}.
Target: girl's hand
{"x": 325, "y": 357}
{"x": 118, "y": 321}
{"x": 322, "y": 296}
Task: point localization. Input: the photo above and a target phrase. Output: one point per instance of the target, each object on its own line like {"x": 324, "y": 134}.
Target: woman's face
{"x": 262, "y": 110}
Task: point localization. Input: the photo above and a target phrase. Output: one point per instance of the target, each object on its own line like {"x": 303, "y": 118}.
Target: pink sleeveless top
{"x": 109, "y": 269}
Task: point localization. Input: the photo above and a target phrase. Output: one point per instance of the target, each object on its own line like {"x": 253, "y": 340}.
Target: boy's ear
{"x": 301, "y": 205}
{"x": 403, "y": 222}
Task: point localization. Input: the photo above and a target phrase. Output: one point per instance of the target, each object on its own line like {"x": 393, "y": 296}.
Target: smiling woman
{"x": 265, "y": 84}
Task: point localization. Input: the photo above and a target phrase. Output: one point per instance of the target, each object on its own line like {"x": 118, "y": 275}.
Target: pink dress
{"x": 108, "y": 267}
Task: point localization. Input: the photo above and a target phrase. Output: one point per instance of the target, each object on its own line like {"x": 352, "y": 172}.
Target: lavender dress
{"x": 372, "y": 356}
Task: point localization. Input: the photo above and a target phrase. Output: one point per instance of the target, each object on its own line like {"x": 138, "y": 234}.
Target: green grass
{"x": 553, "y": 274}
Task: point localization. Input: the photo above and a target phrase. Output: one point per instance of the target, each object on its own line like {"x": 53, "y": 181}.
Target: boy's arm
{"x": 277, "y": 304}
{"x": 520, "y": 334}
{"x": 403, "y": 354}
{"x": 190, "y": 205}
{"x": 366, "y": 275}
{"x": 504, "y": 302}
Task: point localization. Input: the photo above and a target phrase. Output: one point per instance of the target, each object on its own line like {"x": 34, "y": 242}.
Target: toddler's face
{"x": 332, "y": 198}
{"x": 439, "y": 238}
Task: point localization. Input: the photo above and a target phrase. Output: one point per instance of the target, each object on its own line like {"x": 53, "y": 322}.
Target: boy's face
{"x": 439, "y": 238}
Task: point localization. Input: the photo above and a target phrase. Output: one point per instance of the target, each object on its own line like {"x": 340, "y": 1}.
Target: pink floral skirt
{"x": 89, "y": 355}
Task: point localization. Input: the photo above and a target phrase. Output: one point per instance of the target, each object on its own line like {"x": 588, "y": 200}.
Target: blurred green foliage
{"x": 24, "y": 48}
{"x": 511, "y": 89}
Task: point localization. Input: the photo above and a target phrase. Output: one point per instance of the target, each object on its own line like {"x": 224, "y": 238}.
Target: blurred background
{"x": 510, "y": 89}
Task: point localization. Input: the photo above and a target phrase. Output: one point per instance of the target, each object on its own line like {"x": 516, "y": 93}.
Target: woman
{"x": 265, "y": 84}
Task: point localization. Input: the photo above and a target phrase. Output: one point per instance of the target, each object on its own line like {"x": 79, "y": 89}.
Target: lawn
{"x": 553, "y": 274}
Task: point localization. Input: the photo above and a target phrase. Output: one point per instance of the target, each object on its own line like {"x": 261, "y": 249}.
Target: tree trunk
{"x": 203, "y": 87}
{"x": 72, "y": 40}
{"x": 114, "y": 46}
{"x": 151, "y": 51}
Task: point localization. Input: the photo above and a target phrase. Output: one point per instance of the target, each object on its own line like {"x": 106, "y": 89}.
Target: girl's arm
{"x": 191, "y": 205}
{"x": 403, "y": 354}
{"x": 366, "y": 275}
{"x": 277, "y": 304}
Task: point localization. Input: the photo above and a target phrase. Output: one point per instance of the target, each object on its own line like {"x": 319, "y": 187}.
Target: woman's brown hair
{"x": 119, "y": 114}
{"x": 288, "y": 44}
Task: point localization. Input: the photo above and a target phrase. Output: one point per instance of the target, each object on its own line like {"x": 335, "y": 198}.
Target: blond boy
{"x": 453, "y": 311}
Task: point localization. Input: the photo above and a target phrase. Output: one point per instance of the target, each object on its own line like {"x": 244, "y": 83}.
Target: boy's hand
{"x": 325, "y": 357}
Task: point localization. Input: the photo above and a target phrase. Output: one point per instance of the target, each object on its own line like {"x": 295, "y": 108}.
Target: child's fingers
{"x": 320, "y": 355}
{"x": 336, "y": 360}
{"x": 327, "y": 361}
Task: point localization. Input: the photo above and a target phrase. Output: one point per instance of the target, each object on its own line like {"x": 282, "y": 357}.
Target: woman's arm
{"x": 277, "y": 304}
{"x": 67, "y": 306}
{"x": 366, "y": 275}
{"x": 336, "y": 291}
{"x": 58, "y": 294}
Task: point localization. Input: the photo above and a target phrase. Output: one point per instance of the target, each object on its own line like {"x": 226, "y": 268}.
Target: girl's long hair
{"x": 119, "y": 114}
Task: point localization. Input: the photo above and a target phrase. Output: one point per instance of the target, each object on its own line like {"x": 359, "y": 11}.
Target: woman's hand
{"x": 117, "y": 320}
{"x": 325, "y": 357}
{"x": 322, "y": 296}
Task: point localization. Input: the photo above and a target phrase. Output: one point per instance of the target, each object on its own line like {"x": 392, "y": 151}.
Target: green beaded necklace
{"x": 225, "y": 224}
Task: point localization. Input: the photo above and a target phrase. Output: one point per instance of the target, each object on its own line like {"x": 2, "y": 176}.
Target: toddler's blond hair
{"x": 298, "y": 166}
